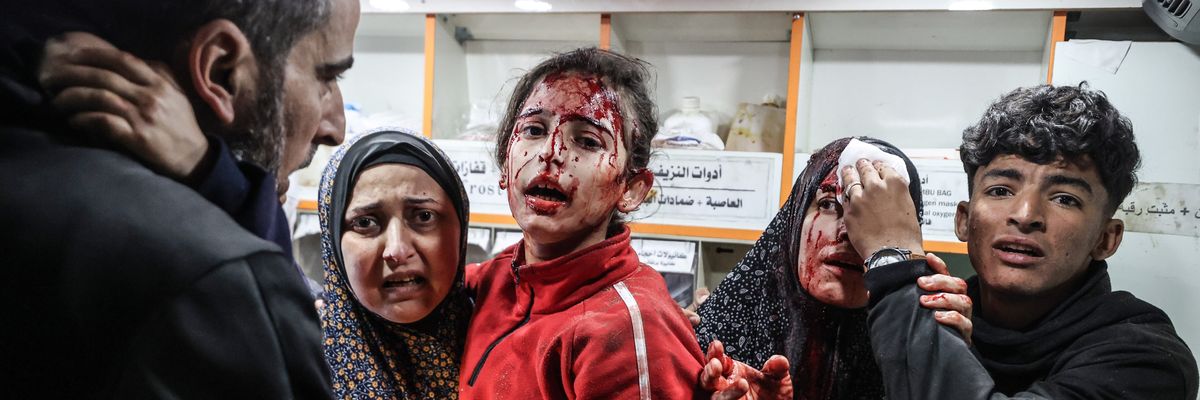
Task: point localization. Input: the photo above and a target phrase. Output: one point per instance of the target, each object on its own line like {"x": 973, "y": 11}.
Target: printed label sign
{"x": 713, "y": 188}
{"x": 481, "y": 237}
{"x": 943, "y": 185}
{"x": 1166, "y": 208}
{"x": 666, "y": 255}
{"x": 477, "y": 168}
{"x": 504, "y": 239}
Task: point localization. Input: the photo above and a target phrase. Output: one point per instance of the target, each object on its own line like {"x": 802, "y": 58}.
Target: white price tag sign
{"x": 666, "y": 255}
{"x": 477, "y": 167}
{"x": 722, "y": 189}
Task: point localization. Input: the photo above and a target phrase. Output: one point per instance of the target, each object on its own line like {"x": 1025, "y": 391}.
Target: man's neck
{"x": 1020, "y": 311}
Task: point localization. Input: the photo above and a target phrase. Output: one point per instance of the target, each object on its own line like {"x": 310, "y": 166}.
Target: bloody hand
{"x": 730, "y": 379}
{"x": 950, "y": 302}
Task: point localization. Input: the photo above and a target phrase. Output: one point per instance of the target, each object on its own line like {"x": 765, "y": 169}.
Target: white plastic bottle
{"x": 689, "y": 128}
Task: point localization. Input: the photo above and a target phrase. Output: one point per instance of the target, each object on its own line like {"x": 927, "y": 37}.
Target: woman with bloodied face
{"x": 393, "y": 234}
{"x": 800, "y": 291}
{"x": 569, "y": 311}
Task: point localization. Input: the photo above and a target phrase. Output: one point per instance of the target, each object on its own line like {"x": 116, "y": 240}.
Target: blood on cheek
{"x": 812, "y": 252}
{"x": 814, "y": 241}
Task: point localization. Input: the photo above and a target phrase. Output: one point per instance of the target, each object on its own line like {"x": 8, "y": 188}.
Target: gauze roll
{"x": 858, "y": 149}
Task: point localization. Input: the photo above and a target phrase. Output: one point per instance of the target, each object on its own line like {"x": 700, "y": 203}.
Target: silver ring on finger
{"x": 846, "y": 193}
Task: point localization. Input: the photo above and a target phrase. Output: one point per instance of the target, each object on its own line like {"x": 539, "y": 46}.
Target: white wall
{"x": 804, "y": 109}
{"x": 388, "y": 75}
{"x": 1158, "y": 88}
{"x": 449, "y": 83}
{"x": 721, "y": 74}
{"x": 911, "y": 98}
{"x": 494, "y": 66}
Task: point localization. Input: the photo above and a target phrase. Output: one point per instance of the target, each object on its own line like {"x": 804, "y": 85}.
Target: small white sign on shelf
{"x": 504, "y": 239}
{"x": 677, "y": 256}
{"x": 481, "y": 237}
{"x": 723, "y": 189}
{"x": 477, "y": 167}
{"x": 943, "y": 186}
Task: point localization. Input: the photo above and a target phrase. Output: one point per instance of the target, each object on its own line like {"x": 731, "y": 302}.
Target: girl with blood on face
{"x": 570, "y": 311}
{"x": 800, "y": 291}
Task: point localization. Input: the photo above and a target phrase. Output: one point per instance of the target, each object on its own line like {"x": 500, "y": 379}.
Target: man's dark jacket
{"x": 1098, "y": 344}
{"x": 121, "y": 283}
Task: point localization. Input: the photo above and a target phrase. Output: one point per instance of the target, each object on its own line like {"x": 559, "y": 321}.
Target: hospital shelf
{"x": 470, "y": 51}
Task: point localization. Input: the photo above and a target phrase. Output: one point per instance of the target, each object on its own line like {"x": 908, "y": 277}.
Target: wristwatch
{"x": 890, "y": 255}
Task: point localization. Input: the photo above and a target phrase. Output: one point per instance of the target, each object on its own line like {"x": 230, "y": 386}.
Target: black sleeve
{"x": 245, "y": 330}
{"x": 919, "y": 358}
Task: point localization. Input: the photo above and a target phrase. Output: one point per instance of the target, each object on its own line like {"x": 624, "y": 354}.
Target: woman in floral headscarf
{"x": 395, "y": 314}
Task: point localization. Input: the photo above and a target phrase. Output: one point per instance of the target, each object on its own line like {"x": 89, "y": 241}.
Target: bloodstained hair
{"x": 630, "y": 78}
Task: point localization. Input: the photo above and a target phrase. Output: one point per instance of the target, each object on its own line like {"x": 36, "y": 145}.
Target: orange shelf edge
{"x": 492, "y": 219}
{"x": 307, "y": 205}
{"x": 1058, "y": 33}
{"x": 793, "y": 98}
{"x": 641, "y": 227}
{"x": 427, "y": 115}
{"x": 606, "y": 31}
{"x": 933, "y": 246}
{"x": 696, "y": 231}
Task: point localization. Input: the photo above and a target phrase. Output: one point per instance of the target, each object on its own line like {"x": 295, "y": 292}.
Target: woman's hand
{"x": 115, "y": 95}
{"x": 729, "y": 379}
{"x": 878, "y": 209}
{"x": 952, "y": 307}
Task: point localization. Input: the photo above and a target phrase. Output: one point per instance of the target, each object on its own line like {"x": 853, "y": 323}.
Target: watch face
{"x": 886, "y": 256}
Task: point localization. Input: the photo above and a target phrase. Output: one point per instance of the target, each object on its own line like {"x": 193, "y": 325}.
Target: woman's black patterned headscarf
{"x": 371, "y": 357}
{"x": 760, "y": 309}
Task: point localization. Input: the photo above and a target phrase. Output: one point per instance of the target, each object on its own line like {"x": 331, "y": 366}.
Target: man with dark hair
{"x": 1047, "y": 168}
{"x": 123, "y": 283}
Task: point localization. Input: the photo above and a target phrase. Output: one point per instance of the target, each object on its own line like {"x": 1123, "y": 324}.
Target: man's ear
{"x": 961, "y": 214}
{"x": 1110, "y": 239}
{"x": 636, "y": 188}
{"x": 222, "y": 67}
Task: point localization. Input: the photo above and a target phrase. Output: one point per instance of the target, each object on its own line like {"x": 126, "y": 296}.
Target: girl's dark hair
{"x": 629, "y": 77}
{"x": 1042, "y": 123}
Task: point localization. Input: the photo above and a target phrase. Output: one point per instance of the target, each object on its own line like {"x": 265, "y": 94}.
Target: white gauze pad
{"x": 858, "y": 149}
